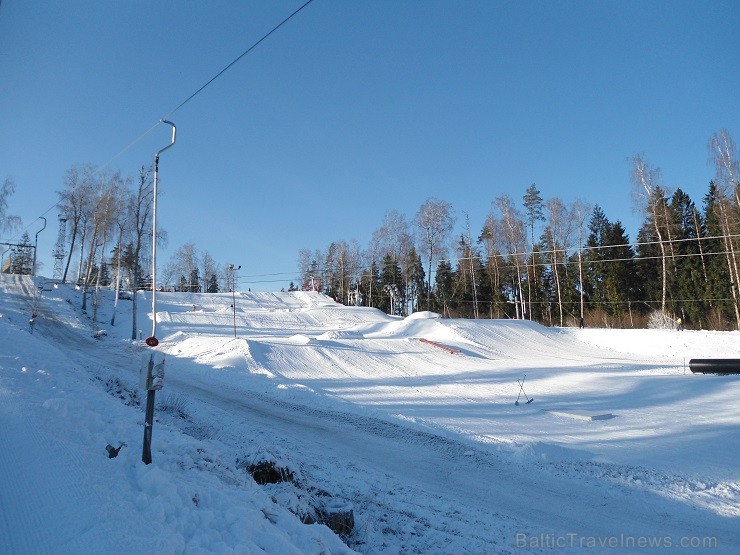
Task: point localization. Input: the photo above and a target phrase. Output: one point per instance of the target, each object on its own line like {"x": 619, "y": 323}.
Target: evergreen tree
{"x": 194, "y": 285}
{"x": 620, "y": 283}
{"x": 594, "y": 257}
{"x": 414, "y": 281}
{"x": 104, "y": 274}
{"x": 533, "y": 204}
{"x": 649, "y": 266}
{"x": 689, "y": 294}
{"x": 533, "y": 209}
{"x": 611, "y": 283}
{"x": 444, "y": 288}
{"x": 213, "y": 284}
{"x": 22, "y": 257}
{"x": 719, "y": 295}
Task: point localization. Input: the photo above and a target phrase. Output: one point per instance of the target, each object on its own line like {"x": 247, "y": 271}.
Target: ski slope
{"x": 621, "y": 443}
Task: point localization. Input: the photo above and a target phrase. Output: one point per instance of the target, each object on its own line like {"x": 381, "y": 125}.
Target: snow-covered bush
{"x": 661, "y": 320}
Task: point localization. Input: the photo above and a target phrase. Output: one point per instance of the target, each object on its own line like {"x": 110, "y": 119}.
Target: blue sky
{"x": 353, "y": 109}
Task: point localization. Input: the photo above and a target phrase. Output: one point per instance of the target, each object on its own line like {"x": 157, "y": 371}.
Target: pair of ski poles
{"x": 521, "y": 390}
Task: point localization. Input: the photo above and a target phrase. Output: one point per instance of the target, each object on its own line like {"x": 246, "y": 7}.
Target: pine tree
{"x": 213, "y": 284}
{"x": 104, "y": 274}
{"x": 595, "y": 267}
{"x": 610, "y": 267}
{"x": 194, "y": 285}
{"x": 414, "y": 280}
{"x": 620, "y": 283}
{"x": 444, "y": 288}
{"x": 22, "y": 257}
{"x": 719, "y": 294}
{"x": 533, "y": 209}
{"x": 691, "y": 281}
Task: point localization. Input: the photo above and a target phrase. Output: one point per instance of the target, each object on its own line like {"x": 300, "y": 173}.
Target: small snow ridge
{"x": 340, "y": 334}
{"x": 423, "y": 315}
{"x": 301, "y": 339}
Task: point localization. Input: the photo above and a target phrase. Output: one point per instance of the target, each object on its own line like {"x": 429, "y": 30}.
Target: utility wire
{"x": 503, "y": 256}
{"x": 211, "y": 80}
{"x": 247, "y": 51}
{"x": 188, "y": 99}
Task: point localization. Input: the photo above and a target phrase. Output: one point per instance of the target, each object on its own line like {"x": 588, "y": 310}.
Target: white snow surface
{"x": 623, "y": 449}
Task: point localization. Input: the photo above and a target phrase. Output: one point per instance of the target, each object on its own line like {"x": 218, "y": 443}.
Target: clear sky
{"x": 356, "y": 108}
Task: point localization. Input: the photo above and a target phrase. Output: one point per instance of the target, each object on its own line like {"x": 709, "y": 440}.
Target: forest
{"x": 554, "y": 262}
{"x": 557, "y": 263}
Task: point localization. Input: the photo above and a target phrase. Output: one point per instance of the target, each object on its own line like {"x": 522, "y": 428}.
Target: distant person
{"x": 193, "y": 308}
{"x": 679, "y": 324}
{"x": 32, "y": 321}
{"x": 581, "y": 324}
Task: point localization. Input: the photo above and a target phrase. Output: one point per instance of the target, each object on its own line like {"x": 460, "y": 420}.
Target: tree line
{"x": 109, "y": 232}
{"x": 550, "y": 261}
{"x": 107, "y": 241}
{"x": 554, "y": 262}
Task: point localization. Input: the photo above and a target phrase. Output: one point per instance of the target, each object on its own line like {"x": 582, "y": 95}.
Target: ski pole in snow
{"x": 521, "y": 390}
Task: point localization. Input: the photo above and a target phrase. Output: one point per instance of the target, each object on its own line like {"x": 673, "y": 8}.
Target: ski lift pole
{"x": 154, "y": 233}
{"x": 36, "y": 246}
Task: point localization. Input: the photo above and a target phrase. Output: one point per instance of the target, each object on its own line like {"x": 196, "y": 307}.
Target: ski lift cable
{"x": 211, "y": 80}
{"x": 196, "y": 93}
{"x": 247, "y": 51}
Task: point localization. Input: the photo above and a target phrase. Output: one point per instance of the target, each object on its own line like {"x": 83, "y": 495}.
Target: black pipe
{"x": 715, "y": 365}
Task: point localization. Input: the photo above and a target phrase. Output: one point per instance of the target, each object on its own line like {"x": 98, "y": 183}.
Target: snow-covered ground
{"x": 623, "y": 450}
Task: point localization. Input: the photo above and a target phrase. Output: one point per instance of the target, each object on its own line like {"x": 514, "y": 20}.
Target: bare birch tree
{"x": 8, "y": 223}
{"x": 559, "y": 225}
{"x": 139, "y": 210}
{"x": 580, "y": 211}
{"x": 394, "y": 238}
{"x": 74, "y": 203}
{"x": 515, "y": 240}
{"x": 433, "y": 222}
{"x": 648, "y": 192}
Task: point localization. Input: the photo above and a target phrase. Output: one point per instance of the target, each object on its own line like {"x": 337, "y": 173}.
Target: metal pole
{"x": 146, "y": 452}
{"x": 154, "y": 228}
{"x": 232, "y": 270}
{"x": 36, "y": 246}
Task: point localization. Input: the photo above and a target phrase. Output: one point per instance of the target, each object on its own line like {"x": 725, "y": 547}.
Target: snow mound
{"x": 341, "y": 334}
{"x": 300, "y": 339}
{"x": 424, "y": 315}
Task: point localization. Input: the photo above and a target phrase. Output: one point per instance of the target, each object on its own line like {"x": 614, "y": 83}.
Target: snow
{"x": 623, "y": 449}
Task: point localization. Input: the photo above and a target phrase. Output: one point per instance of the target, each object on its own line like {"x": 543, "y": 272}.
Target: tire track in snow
{"x": 477, "y": 484}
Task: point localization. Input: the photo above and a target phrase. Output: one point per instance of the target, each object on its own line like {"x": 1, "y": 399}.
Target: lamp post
{"x": 150, "y": 381}
{"x": 232, "y": 281}
{"x": 153, "y": 338}
{"x": 36, "y": 246}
